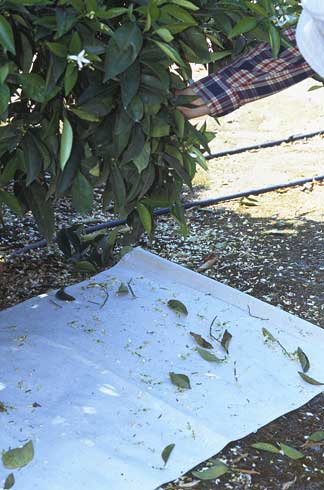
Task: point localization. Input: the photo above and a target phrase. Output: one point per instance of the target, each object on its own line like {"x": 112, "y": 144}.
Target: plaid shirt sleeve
{"x": 252, "y": 77}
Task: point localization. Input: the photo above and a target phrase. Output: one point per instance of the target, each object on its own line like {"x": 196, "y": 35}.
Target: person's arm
{"x": 256, "y": 75}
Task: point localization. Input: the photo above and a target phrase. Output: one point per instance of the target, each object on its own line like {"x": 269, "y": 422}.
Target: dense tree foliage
{"x": 87, "y": 97}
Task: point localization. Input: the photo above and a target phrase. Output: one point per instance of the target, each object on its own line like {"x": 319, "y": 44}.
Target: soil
{"x": 271, "y": 248}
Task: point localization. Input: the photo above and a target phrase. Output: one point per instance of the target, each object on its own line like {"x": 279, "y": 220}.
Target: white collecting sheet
{"x": 88, "y": 381}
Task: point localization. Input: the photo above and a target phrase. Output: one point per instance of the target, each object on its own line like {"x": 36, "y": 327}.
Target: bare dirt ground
{"x": 273, "y": 249}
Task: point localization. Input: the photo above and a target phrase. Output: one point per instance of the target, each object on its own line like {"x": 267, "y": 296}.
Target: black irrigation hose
{"x": 268, "y": 144}
{"x": 188, "y": 205}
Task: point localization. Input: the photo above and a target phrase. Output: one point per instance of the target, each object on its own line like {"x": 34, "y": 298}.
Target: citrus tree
{"x": 88, "y": 97}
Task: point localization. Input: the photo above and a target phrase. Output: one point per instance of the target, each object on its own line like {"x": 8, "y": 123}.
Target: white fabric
{"x": 310, "y": 34}
{"x": 101, "y": 376}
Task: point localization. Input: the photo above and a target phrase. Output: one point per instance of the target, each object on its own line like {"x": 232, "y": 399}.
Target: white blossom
{"x": 80, "y": 59}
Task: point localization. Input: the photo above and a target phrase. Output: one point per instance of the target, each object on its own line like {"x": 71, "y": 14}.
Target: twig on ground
{"x": 211, "y": 330}
{"x": 254, "y": 316}
{"x": 130, "y": 288}
{"x": 106, "y": 298}
{"x": 235, "y": 372}
{"x": 246, "y": 472}
{"x": 56, "y": 304}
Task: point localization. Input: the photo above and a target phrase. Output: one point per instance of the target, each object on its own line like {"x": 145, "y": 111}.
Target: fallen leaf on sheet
{"x": 177, "y": 306}
{"x": 167, "y": 452}
{"x": 268, "y": 335}
{"x": 123, "y": 289}
{"x": 3, "y": 408}
{"x": 208, "y": 356}
{"x": 180, "y": 380}
{"x": 291, "y": 452}
{"x": 270, "y": 338}
{"x": 227, "y": 337}
{"x": 215, "y": 471}
{"x": 18, "y": 457}
{"x": 310, "y": 380}
{"x": 317, "y": 436}
{"x": 10, "y": 481}
{"x": 303, "y": 359}
{"x": 63, "y": 295}
{"x": 201, "y": 341}
{"x": 265, "y": 446}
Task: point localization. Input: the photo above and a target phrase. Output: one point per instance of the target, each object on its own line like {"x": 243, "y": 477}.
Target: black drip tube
{"x": 268, "y": 144}
{"x": 187, "y": 205}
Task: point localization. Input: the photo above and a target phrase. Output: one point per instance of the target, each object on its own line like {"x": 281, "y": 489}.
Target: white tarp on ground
{"x": 101, "y": 376}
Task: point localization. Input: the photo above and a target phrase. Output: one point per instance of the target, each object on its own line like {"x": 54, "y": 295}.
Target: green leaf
{"x": 180, "y": 170}
{"x": 70, "y": 78}
{"x": 317, "y": 436}
{"x": 180, "y": 380}
{"x": 167, "y": 452}
{"x": 186, "y": 4}
{"x": 42, "y": 209}
{"x": 303, "y": 359}
{"x": 171, "y": 52}
{"x": 244, "y": 25}
{"x": 85, "y": 116}
{"x": 136, "y": 109}
{"x": 143, "y": 159}
{"x": 66, "y": 143}
{"x": 4, "y": 72}
{"x": 122, "y": 50}
{"x": 212, "y": 473}
{"x": 129, "y": 83}
{"x": 180, "y": 122}
{"x": 177, "y": 306}
{"x": 159, "y": 128}
{"x": 4, "y": 98}
{"x": 164, "y": 34}
{"x": 112, "y": 13}
{"x": 265, "y": 446}
{"x": 18, "y": 457}
{"x": 32, "y": 157}
{"x": 11, "y": 201}
{"x": 275, "y": 40}
{"x": 58, "y": 49}
{"x": 85, "y": 266}
{"x": 62, "y": 295}
{"x": 291, "y": 452}
{"x": 310, "y": 380}
{"x": 6, "y": 35}
{"x": 208, "y": 356}
{"x": 125, "y": 250}
{"x": 119, "y": 189}
{"x": 201, "y": 341}
{"x": 75, "y": 44}
{"x": 82, "y": 194}
{"x": 227, "y": 337}
{"x": 34, "y": 86}
{"x": 145, "y": 217}
{"x": 219, "y": 55}
{"x": 10, "y": 481}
